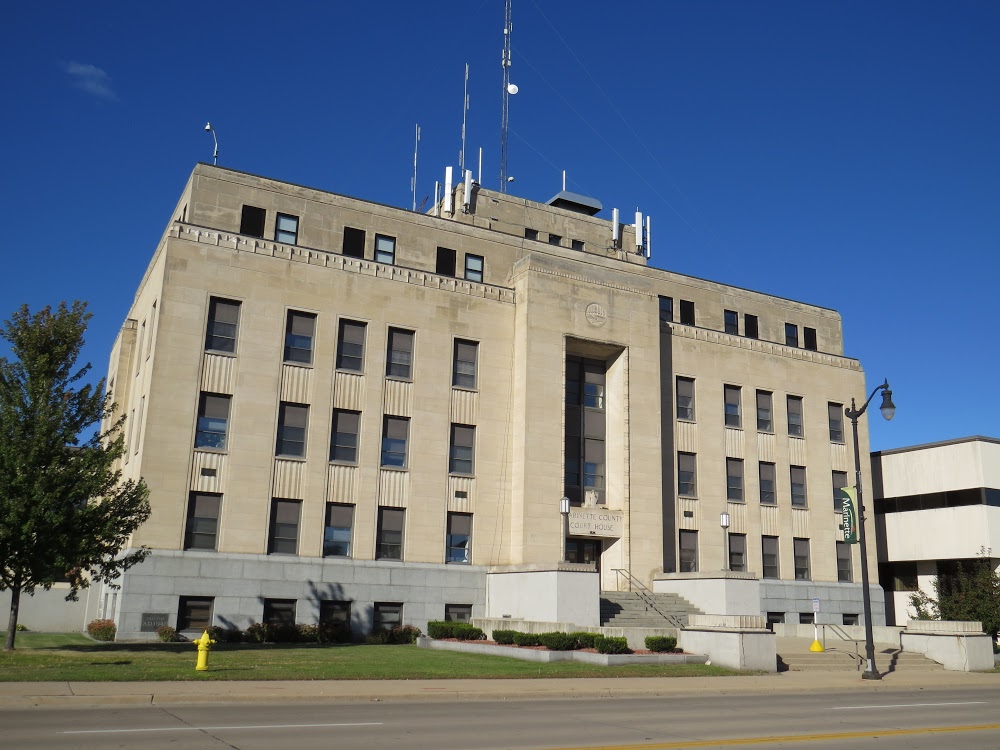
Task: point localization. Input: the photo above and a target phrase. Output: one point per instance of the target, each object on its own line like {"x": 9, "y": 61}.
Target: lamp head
{"x": 564, "y": 505}
{"x": 724, "y": 520}
{"x": 888, "y": 408}
{"x": 208, "y": 127}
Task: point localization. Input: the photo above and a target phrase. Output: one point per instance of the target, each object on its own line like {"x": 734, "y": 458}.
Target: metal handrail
{"x": 643, "y": 591}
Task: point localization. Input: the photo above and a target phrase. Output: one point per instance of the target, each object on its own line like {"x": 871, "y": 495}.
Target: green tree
{"x": 972, "y": 594}
{"x": 65, "y": 512}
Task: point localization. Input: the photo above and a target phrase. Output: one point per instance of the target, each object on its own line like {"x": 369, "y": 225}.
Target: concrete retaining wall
{"x": 527, "y": 654}
{"x": 636, "y": 637}
{"x": 48, "y": 611}
{"x": 959, "y": 646}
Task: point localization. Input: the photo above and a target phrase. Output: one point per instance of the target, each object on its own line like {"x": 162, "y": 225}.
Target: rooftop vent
{"x": 575, "y": 202}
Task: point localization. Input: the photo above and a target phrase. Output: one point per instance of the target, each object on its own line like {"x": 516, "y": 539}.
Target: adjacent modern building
{"x": 349, "y": 411}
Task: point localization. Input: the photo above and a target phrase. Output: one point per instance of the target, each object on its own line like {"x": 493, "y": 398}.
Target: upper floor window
{"x": 768, "y": 496}
{"x": 687, "y": 482}
{"x": 839, "y": 483}
{"x": 299, "y": 330}
{"x": 732, "y": 320}
{"x": 463, "y": 371}
{"x": 202, "y": 520}
{"x": 337, "y": 530}
{"x": 798, "y": 480}
{"x": 292, "y": 422}
{"x": 213, "y": 419}
{"x": 459, "y": 537}
{"x": 344, "y": 436}
{"x": 809, "y": 336}
{"x": 395, "y": 432}
{"x": 732, "y": 399}
{"x": 666, "y": 309}
{"x": 734, "y": 480}
{"x": 461, "y": 455}
{"x": 795, "y": 416}
{"x": 685, "y": 399}
{"x": 354, "y": 242}
{"x": 399, "y": 354}
{"x": 800, "y": 549}
{"x": 286, "y": 229}
{"x": 385, "y": 249}
{"x": 844, "y": 572}
{"x": 577, "y": 245}
{"x": 351, "y": 346}
{"x": 688, "y": 551}
{"x": 750, "y": 328}
{"x": 389, "y": 534}
{"x": 555, "y": 239}
{"x": 769, "y": 556}
{"x": 764, "y": 421}
{"x": 474, "y": 268}
{"x": 738, "y": 552}
{"x": 283, "y": 535}
{"x": 530, "y": 234}
{"x": 445, "y": 265}
{"x": 687, "y": 312}
{"x": 791, "y": 334}
{"x": 836, "y": 417}
{"x": 252, "y": 221}
{"x": 223, "y": 320}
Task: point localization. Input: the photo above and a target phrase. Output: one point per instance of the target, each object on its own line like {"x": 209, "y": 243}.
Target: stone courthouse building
{"x": 350, "y": 411}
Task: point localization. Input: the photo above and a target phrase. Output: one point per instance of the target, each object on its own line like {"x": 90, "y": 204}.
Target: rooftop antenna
{"x": 564, "y": 180}
{"x": 465, "y": 112}
{"x": 215, "y": 155}
{"x": 508, "y": 89}
{"x": 413, "y": 183}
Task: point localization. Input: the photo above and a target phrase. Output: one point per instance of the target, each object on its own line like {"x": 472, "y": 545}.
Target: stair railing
{"x": 638, "y": 587}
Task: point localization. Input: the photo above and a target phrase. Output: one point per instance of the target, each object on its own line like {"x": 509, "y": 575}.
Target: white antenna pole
{"x": 480, "y": 180}
{"x": 638, "y": 229}
{"x": 437, "y": 198}
{"x": 505, "y": 114}
{"x": 615, "y": 227}
{"x": 467, "y": 191}
{"x": 449, "y": 198}
{"x": 649, "y": 241}
{"x": 564, "y": 180}
{"x": 413, "y": 184}
{"x": 465, "y": 112}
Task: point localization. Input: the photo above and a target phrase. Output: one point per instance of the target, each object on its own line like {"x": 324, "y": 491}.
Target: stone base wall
{"x": 836, "y": 600}
{"x": 48, "y": 611}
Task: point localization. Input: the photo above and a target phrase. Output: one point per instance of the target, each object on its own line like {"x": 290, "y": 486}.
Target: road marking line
{"x": 216, "y": 729}
{"x": 907, "y": 705}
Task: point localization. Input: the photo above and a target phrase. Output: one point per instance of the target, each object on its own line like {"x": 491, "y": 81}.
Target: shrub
{"x": 166, "y": 634}
{"x": 611, "y": 645}
{"x": 257, "y": 632}
{"x": 527, "y": 639}
{"x": 231, "y": 635}
{"x": 308, "y": 633}
{"x": 584, "y": 639}
{"x": 504, "y": 637}
{"x": 558, "y": 641}
{"x": 21, "y": 628}
{"x": 440, "y": 629}
{"x": 102, "y": 630}
{"x": 216, "y": 633}
{"x": 404, "y": 634}
{"x": 661, "y": 643}
{"x": 465, "y": 632}
{"x": 284, "y": 633}
{"x": 334, "y": 632}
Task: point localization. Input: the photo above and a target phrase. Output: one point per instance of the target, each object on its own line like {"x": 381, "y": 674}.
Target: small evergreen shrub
{"x": 257, "y": 632}
{"x": 102, "y": 630}
{"x": 661, "y": 643}
{"x": 584, "y": 639}
{"x": 217, "y": 633}
{"x": 231, "y": 635}
{"x": 166, "y": 634}
{"x": 440, "y": 629}
{"x": 284, "y": 633}
{"x": 612, "y": 645}
{"x": 558, "y": 641}
{"x": 334, "y": 632}
{"x": 504, "y": 637}
{"x": 527, "y": 639}
{"x": 308, "y": 633}
{"x": 395, "y": 636}
{"x": 465, "y": 632}
{"x": 21, "y": 628}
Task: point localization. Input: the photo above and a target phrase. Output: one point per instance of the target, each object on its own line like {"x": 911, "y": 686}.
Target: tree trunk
{"x": 15, "y": 602}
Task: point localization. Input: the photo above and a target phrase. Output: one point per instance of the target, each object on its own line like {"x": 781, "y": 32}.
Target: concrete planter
{"x": 535, "y": 655}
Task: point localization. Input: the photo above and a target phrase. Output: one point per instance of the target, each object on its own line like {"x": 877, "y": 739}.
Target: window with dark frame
{"x": 839, "y": 482}
{"x": 585, "y": 429}
{"x": 351, "y": 345}
{"x": 344, "y": 436}
{"x": 337, "y": 530}
{"x": 252, "y": 221}
{"x": 798, "y": 481}
{"x": 738, "y": 552}
{"x": 685, "y": 399}
{"x": 530, "y": 234}
{"x": 459, "y": 538}
{"x": 666, "y": 309}
{"x": 293, "y": 419}
{"x": 335, "y": 613}
{"x": 389, "y": 544}
{"x": 687, "y": 312}
{"x": 687, "y": 475}
{"x": 202, "y": 520}
{"x": 555, "y": 239}
{"x": 577, "y": 245}
{"x": 461, "y": 453}
{"x": 385, "y": 249}
{"x": 446, "y": 261}
{"x": 688, "y": 545}
{"x": 399, "y": 354}
{"x": 794, "y": 404}
{"x": 850, "y": 619}
{"x": 768, "y": 493}
{"x": 809, "y": 338}
{"x": 395, "y": 432}
{"x": 279, "y": 612}
{"x": 299, "y": 330}
{"x": 769, "y": 556}
{"x": 213, "y": 421}
{"x": 734, "y": 480}
{"x": 194, "y": 613}
{"x": 836, "y": 418}
{"x": 807, "y": 618}
{"x": 750, "y": 327}
{"x": 286, "y": 229}
{"x": 800, "y": 549}
{"x": 223, "y": 322}
{"x": 354, "y": 242}
{"x": 731, "y": 394}
{"x": 474, "y": 267}
{"x": 463, "y": 371}
{"x": 844, "y": 572}
{"x": 732, "y": 322}
{"x": 457, "y": 612}
{"x": 765, "y": 421}
{"x": 791, "y": 334}
{"x": 283, "y": 538}
{"x": 386, "y": 616}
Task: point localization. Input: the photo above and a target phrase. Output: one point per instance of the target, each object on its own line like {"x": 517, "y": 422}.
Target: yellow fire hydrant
{"x": 204, "y": 645}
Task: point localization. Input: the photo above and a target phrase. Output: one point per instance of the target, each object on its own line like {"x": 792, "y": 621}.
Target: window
{"x": 399, "y": 357}
{"x": 850, "y": 619}
{"x": 685, "y": 399}
{"x": 530, "y": 234}
{"x": 202, "y": 520}
{"x": 775, "y": 618}
{"x": 388, "y": 615}
{"x": 555, "y": 239}
{"x": 292, "y": 422}
{"x": 445, "y": 265}
{"x": 354, "y": 242}
{"x": 299, "y": 329}
{"x": 769, "y": 556}
{"x": 687, "y": 475}
{"x": 764, "y": 421}
{"x": 666, "y": 309}
{"x": 390, "y": 534}
{"x": 689, "y": 551}
{"x": 732, "y": 399}
{"x": 768, "y": 496}
{"x": 750, "y": 329}
{"x": 213, "y": 420}
{"x": 194, "y": 612}
{"x": 734, "y": 480}
{"x": 791, "y": 334}
{"x": 839, "y": 482}
{"x": 585, "y": 429}
{"x": 844, "y": 572}
{"x": 462, "y": 451}
{"x": 138, "y": 349}
{"x": 395, "y": 431}
{"x": 800, "y": 548}
{"x": 252, "y": 221}
{"x": 286, "y": 229}
{"x": 795, "y": 416}
{"x": 279, "y": 612}
{"x": 463, "y": 369}
{"x": 223, "y": 319}
{"x": 459, "y": 537}
{"x": 284, "y": 532}
{"x": 904, "y": 576}
{"x": 738, "y": 552}
{"x": 836, "y": 412}
{"x": 732, "y": 320}
{"x": 351, "y": 346}
{"x": 336, "y": 614}
{"x": 474, "y": 268}
{"x": 809, "y": 334}
{"x": 798, "y": 478}
{"x": 457, "y": 612}
{"x": 687, "y": 312}
{"x": 344, "y": 436}
{"x": 337, "y": 530}
{"x": 385, "y": 249}
{"x": 577, "y": 245}
{"x": 807, "y": 618}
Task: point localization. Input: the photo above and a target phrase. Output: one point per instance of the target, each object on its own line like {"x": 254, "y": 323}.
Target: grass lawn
{"x": 41, "y": 657}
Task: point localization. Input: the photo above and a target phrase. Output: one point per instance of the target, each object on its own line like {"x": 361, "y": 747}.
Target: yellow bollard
{"x": 204, "y": 644}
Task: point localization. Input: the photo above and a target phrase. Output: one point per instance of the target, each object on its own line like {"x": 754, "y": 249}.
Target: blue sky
{"x": 844, "y": 154}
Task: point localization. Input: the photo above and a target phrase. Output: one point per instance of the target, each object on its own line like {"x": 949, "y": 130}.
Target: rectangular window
{"x": 807, "y": 618}
{"x": 798, "y": 479}
{"x": 284, "y": 532}
{"x": 769, "y": 556}
{"x": 286, "y": 229}
{"x": 252, "y": 221}
{"x": 399, "y": 355}
{"x": 337, "y": 530}
{"x": 734, "y": 480}
{"x": 459, "y": 537}
{"x": 685, "y": 399}
{"x": 461, "y": 455}
{"x": 213, "y": 421}
{"x": 687, "y": 312}
{"x": 333, "y": 612}
{"x": 732, "y": 399}
{"x": 809, "y": 336}
{"x": 390, "y": 534}
{"x": 279, "y": 612}
{"x": 844, "y": 572}
{"x": 555, "y": 239}
{"x": 344, "y": 436}
{"x": 387, "y": 615}
{"x": 791, "y": 334}
{"x": 732, "y": 320}
{"x": 689, "y": 551}
{"x": 446, "y": 260}
{"x": 474, "y": 268}
{"x": 463, "y": 370}
{"x": 457, "y": 612}
{"x": 738, "y": 552}
{"x": 530, "y": 234}
{"x": 385, "y": 249}
{"x": 687, "y": 475}
{"x": 194, "y": 613}
{"x": 299, "y": 330}
{"x": 750, "y": 329}
{"x": 775, "y": 618}
{"x": 839, "y": 482}
{"x": 768, "y": 495}
{"x": 836, "y": 413}
{"x": 577, "y": 245}
{"x": 293, "y": 420}
{"x": 795, "y": 416}
{"x": 395, "y": 431}
{"x": 354, "y": 242}
{"x": 765, "y": 423}
{"x": 800, "y": 548}
{"x": 351, "y": 346}
{"x": 850, "y": 619}
{"x": 666, "y": 309}
{"x": 223, "y": 320}
{"x": 202, "y": 520}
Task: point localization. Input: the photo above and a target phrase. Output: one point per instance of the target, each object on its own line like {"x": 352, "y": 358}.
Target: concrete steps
{"x": 842, "y": 657}
{"x": 628, "y": 609}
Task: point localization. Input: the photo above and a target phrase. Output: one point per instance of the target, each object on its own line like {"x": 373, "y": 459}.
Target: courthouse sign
{"x": 591, "y": 522}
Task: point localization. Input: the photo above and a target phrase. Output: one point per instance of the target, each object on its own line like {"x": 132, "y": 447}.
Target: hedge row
{"x": 259, "y": 632}
{"x": 463, "y": 631}
{"x": 563, "y": 641}
{"x": 661, "y": 643}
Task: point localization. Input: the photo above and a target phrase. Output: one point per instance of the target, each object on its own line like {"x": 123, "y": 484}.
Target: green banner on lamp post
{"x": 849, "y": 513}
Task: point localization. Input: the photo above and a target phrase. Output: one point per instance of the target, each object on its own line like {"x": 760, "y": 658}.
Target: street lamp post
{"x": 724, "y": 523}
{"x": 888, "y": 410}
{"x": 564, "y": 512}
{"x": 215, "y": 154}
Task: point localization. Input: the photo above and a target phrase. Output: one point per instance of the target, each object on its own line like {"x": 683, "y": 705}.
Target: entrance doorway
{"x": 584, "y": 551}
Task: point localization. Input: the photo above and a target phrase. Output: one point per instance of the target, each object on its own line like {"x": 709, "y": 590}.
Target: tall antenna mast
{"x": 465, "y": 112}
{"x": 413, "y": 184}
{"x": 505, "y": 117}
